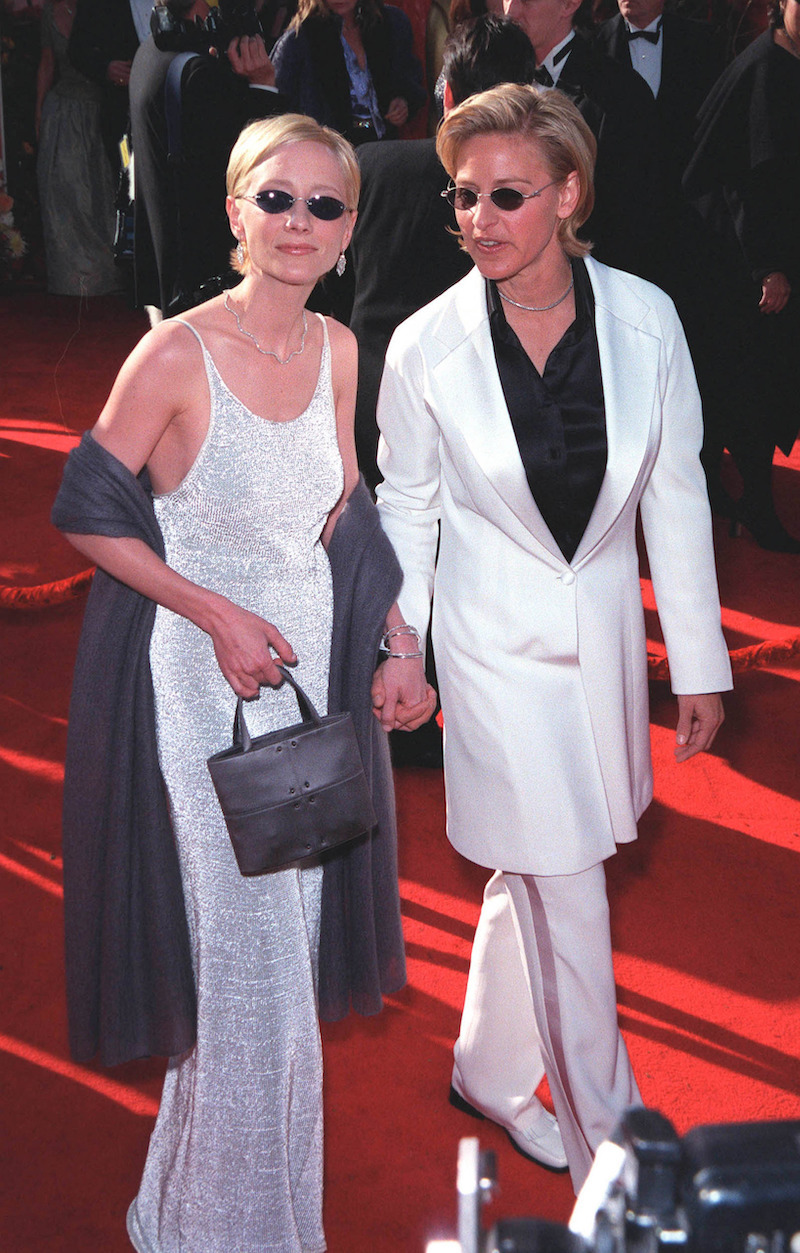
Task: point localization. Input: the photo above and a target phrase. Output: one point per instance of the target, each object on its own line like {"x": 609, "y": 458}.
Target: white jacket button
{"x": 567, "y": 577}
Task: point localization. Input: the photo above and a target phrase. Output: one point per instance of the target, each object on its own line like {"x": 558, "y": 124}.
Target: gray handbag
{"x": 293, "y": 793}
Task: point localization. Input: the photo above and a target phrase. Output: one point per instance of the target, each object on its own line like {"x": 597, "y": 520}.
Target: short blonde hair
{"x": 260, "y": 140}
{"x": 547, "y": 119}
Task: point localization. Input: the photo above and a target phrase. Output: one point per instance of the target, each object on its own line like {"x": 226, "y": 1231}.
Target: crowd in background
{"x": 697, "y": 172}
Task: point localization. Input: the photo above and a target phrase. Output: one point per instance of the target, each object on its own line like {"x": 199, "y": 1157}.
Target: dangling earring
{"x": 240, "y": 252}
{"x": 341, "y": 264}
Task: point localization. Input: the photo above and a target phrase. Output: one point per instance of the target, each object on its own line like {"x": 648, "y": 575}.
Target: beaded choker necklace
{"x": 267, "y": 352}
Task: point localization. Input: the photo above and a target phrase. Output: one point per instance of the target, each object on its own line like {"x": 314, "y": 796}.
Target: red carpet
{"x": 704, "y": 905}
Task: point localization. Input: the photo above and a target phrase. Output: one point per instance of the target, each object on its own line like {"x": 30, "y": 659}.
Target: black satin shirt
{"x": 559, "y": 418}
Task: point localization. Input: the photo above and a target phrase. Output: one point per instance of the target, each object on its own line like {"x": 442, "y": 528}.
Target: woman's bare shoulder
{"x": 162, "y": 348}
{"x": 158, "y": 381}
{"x": 342, "y": 339}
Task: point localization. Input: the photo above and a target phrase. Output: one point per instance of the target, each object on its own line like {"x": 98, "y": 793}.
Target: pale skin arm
{"x": 397, "y": 112}
{"x": 249, "y": 59}
{"x": 411, "y": 699}
{"x": 146, "y": 404}
{"x": 699, "y": 719}
{"x": 402, "y": 698}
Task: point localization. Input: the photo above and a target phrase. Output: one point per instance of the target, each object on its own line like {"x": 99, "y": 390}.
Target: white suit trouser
{"x": 541, "y": 999}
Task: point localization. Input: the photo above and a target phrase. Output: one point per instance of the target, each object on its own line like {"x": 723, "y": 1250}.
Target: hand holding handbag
{"x": 293, "y": 793}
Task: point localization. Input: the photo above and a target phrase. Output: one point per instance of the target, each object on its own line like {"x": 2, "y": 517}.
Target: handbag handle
{"x": 308, "y": 713}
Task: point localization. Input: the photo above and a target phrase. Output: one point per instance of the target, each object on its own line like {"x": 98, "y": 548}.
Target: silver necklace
{"x": 538, "y": 308}
{"x": 267, "y": 352}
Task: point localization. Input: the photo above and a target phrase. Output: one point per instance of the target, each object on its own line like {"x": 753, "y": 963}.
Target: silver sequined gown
{"x": 235, "y": 1159}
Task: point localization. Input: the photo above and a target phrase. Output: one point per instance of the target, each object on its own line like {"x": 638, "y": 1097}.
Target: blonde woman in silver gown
{"x": 242, "y": 412}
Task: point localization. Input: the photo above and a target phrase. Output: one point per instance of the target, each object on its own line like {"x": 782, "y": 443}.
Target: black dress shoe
{"x": 765, "y": 527}
{"x": 458, "y": 1102}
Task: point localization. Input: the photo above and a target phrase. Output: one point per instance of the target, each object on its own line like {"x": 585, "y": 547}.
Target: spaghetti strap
{"x": 195, "y": 332}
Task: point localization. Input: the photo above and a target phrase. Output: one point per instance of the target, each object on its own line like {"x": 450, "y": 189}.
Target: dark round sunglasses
{"x": 326, "y": 208}
{"x": 508, "y": 199}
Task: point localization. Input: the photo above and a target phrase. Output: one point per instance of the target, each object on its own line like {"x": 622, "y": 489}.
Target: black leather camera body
{"x": 231, "y": 19}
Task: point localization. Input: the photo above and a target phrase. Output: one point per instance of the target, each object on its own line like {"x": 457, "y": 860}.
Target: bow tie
{"x": 652, "y": 36}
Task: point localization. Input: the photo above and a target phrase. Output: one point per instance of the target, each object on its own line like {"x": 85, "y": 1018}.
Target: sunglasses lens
{"x": 326, "y": 208}
{"x": 463, "y": 198}
{"x": 273, "y": 201}
{"x": 507, "y": 199}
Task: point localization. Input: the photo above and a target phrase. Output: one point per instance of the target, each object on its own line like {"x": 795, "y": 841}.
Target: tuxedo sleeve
{"x": 762, "y": 218}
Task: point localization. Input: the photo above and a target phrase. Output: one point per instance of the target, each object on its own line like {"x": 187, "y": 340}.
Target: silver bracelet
{"x": 402, "y": 629}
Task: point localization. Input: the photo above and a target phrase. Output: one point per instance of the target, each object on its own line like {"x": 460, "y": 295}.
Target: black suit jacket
{"x": 182, "y": 237}
{"x": 103, "y": 31}
{"x": 402, "y": 257}
{"x": 619, "y": 109}
{"x": 691, "y": 62}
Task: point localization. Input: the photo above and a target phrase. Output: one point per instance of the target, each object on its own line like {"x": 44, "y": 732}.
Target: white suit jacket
{"x": 542, "y": 664}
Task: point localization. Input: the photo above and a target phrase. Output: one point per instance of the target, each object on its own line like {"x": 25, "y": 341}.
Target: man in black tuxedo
{"x": 102, "y": 45}
{"x": 618, "y": 108}
{"x": 404, "y": 252}
{"x": 679, "y": 60}
{"x": 182, "y": 239}
{"x": 677, "y": 57}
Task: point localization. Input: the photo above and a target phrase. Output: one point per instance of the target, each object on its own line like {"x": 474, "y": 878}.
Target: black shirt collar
{"x": 584, "y": 302}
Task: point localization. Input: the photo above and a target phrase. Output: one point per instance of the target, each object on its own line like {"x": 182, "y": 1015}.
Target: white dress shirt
{"x": 646, "y": 56}
{"x": 554, "y": 63}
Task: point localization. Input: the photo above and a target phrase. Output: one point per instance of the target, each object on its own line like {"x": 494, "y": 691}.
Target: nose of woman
{"x": 298, "y": 216}
{"x": 484, "y": 214}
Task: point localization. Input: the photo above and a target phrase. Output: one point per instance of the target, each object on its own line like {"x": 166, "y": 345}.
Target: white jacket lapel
{"x": 467, "y": 372}
{"x": 629, "y": 357}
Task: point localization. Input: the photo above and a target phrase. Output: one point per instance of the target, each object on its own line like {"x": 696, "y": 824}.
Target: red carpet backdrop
{"x": 704, "y": 905}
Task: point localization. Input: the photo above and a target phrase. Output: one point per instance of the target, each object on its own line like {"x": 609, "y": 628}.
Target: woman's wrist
{"x": 401, "y": 642}
{"x": 206, "y": 609}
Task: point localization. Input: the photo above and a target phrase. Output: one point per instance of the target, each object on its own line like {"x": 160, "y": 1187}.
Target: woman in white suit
{"x": 527, "y": 416}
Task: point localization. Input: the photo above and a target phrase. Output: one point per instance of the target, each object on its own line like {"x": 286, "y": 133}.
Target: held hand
{"x": 402, "y": 698}
{"x": 249, "y": 59}
{"x": 699, "y": 719}
{"x": 775, "y": 292}
{"x": 243, "y": 645}
{"x": 118, "y": 73}
{"x": 411, "y": 717}
{"x": 397, "y": 113}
